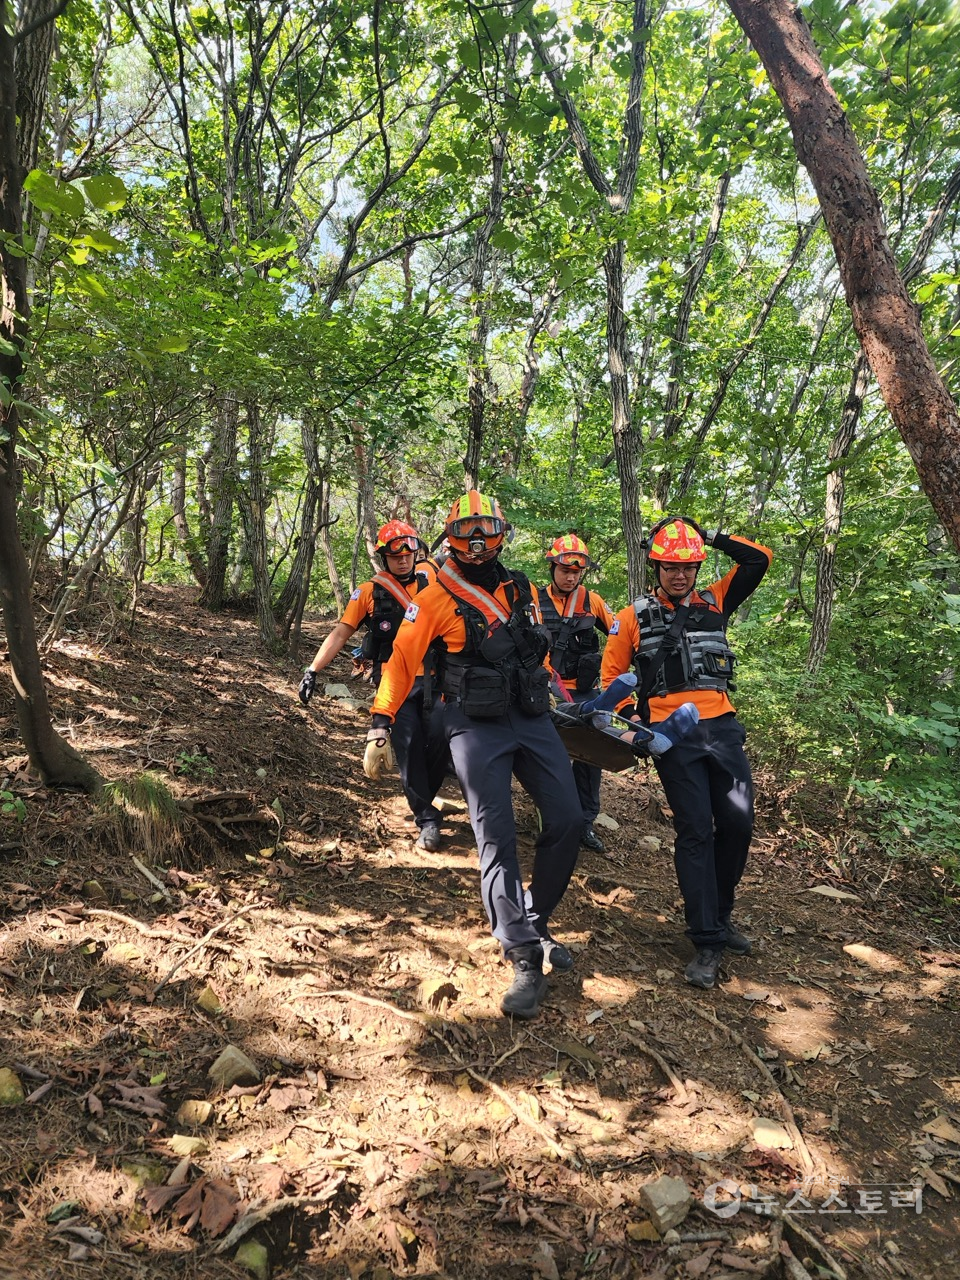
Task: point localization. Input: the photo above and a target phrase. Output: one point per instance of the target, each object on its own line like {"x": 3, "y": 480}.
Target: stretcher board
{"x": 602, "y": 749}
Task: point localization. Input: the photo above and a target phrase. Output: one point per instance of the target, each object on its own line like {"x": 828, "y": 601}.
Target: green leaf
{"x": 106, "y": 191}
{"x": 53, "y": 196}
{"x": 173, "y": 344}
{"x": 100, "y": 240}
{"x": 90, "y": 284}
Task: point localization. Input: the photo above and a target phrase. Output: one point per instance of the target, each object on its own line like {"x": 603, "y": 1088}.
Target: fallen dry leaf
{"x": 828, "y": 891}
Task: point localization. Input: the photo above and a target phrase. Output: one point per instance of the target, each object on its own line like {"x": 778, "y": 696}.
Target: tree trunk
{"x": 34, "y": 54}
{"x": 627, "y": 443}
{"x": 618, "y": 196}
{"x": 478, "y": 372}
{"x": 886, "y": 321}
{"x": 56, "y": 762}
{"x": 833, "y": 513}
{"x": 221, "y": 484}
{"x": 291, "y": 601}
{"x": 255, "y": 512}
{"x": 327, "y": 543}
{"x": 178, "y": 501}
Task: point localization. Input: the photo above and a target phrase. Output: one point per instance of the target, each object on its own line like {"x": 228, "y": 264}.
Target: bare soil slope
{"x": 400, "y": 1126}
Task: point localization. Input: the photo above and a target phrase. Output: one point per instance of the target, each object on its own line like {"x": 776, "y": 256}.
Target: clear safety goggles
{"x": 400, "y": 546}
{"x": 479, "y": 526}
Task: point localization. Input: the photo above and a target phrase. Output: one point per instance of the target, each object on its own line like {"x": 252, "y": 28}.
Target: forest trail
{"x": 400, "y": 1125}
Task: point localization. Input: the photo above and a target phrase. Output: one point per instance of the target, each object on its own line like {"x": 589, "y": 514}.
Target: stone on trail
{"x": 604, "y": 820}
{"x": 11, "y": 1090}
{"x": 337, "y": 691}
{"x": 769, "y": 1133}
{"x": 254, "y": 1258}
{"x": 667, "y": 1201}
{"x": 194, "y": 1111}
{"x": 233, "y": 1067}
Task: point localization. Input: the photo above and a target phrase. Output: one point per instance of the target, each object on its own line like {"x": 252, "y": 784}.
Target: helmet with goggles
{"x": 475, "y": 527}
{"x": 397, "y": 538}
{"x": 570, "y": 552}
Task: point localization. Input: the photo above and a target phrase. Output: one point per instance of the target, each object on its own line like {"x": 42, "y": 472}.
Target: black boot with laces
{"x": 529, "y": 985}
{"x": 704, "y": 969}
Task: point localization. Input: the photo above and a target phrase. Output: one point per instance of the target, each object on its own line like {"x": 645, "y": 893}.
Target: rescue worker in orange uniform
{"x": 379, "y": 606}
{"x": 480, "y": 618}
{"x": 572, "y": 618}
{"x": 676, "y": 640}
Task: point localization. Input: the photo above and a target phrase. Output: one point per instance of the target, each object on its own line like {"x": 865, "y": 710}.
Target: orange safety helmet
{"x": 675, "y": 541}
{"x": 571, "y": 552}
{"x": 475, "y": 527}
{"x": 397, "y": 537}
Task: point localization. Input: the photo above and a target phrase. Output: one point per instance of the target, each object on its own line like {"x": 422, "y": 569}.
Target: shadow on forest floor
{"x": 399, "y": 1125}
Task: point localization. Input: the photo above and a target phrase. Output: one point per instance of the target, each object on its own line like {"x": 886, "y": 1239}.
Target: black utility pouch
{"x": 588, "y": 669}
{"x": 533, "y": 691}
{"x": 484, "y": 693}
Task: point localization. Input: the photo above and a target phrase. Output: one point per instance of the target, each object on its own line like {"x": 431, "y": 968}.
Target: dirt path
{"x": 400, "y": 1125}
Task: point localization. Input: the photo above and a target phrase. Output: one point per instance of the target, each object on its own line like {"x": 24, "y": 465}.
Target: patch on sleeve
{"x": 410, "y": 615}
{"x": 355, "y": 595}
{"x": 615, "y": 627}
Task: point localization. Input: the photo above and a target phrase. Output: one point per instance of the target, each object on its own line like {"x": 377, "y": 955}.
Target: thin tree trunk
{"x": 884, "y": 318}
{"x": 178, "y": 501}
{"x": 255, "y": 511}
{"x": 478, "y": 372}
{"x": 833, "y": 513}
{"x": 618, "y": 196}
{"x": 221, "y": 484}
{"x": 843, "y": 440}
{"x": 804, "y": 234}
{"x": 54, "y": 759}
{"x": 297, "y": 586}
{"x": 327, "y": 543}
{"x": 627, "y": 442}
{"x": 672, "y": 415}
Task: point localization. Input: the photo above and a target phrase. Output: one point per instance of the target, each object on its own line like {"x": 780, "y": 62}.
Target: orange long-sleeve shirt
{"x": 433, "y": 614}
{"x": 361, "y": 604}
{"x": 623, "y": 643}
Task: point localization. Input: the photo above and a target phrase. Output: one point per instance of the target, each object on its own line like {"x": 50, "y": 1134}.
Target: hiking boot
{"x": 529, "y": 985}
{"x": 556, "y": 955}
{"x": 429, "y": 837}
{"x": 704, "y": 969}
{"x": 737, "y": 942}
{"x": 590, "y": 840}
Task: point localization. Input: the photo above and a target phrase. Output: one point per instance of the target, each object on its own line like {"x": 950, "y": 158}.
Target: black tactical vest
{"x": 701, "y": 657}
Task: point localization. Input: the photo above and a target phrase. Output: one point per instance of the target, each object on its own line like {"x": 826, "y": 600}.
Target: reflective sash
{"x": 491, "y": 608}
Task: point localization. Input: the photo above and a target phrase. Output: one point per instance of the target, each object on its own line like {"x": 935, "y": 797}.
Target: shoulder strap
{"x": 667, "y": 645}
{"x": 396, "y": 589}
{"x": 468, "y": 593}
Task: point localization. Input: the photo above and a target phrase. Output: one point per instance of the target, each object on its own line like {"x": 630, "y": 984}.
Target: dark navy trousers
{"x": 587, "y": 776}
{"x": 710, "y": 790}
{"x": 486, "y": 755}
{"x": 421, "y": 755}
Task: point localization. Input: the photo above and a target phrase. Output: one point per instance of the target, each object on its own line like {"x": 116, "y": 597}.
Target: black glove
{"x": 692, "y": 524}
{"x": 308, "y": 685}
